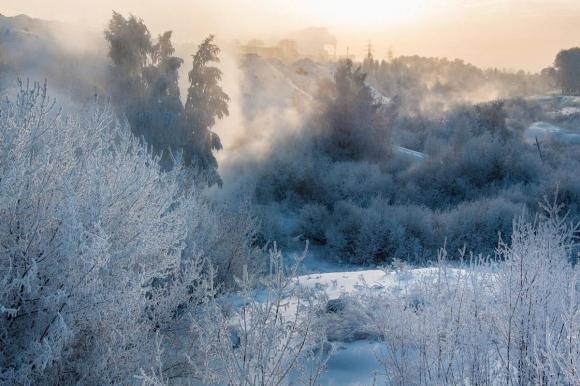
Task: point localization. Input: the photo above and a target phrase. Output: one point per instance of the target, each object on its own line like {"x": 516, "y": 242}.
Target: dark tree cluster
{"x": 351, "y": 123}
{"x": 567, "y": 66}
{"x": 145, "y": 87}
{"x": 373, "y": 183}
{"x": 432, "y": 85}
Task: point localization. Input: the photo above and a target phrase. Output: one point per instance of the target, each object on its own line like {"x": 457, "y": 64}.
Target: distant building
{"x": 285, "y": 50}
{"x": 311, "y": 43}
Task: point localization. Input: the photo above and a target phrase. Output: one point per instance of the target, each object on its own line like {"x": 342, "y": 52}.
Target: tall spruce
{"x": 349, "y": 116}
{"x": 144, "y": 84}
{"x": 206, "y": 102}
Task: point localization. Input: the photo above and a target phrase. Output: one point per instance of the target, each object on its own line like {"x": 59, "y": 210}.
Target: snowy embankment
{"x": 379, "y": 97}
{"x": 543, "y": 131}
{"x": 337, "y": 284}
{"x": 564, "y": 110}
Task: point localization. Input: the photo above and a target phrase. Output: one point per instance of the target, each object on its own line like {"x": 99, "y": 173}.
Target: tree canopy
{"x": 206, "y": 101}
{"x": 567, "y": 66}
{"x": 145, "y": 86}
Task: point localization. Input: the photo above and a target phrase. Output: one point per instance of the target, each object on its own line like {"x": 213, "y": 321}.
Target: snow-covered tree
{"x": 269, "y": 338}
{"x": 95, "y": 251}
{"x": 511, "y": 320}
{"x": 144, "y": 84}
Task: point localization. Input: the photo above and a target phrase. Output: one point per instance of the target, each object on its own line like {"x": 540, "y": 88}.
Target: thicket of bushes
{"x": 100, "y": 249}
{"x": 107, "y": 260}
{"x": 508, "y": 320}
{"x": 373, "y": 204}
{"x": 434, "y": 85}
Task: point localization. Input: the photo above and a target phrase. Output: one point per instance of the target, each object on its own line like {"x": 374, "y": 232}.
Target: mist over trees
{"x": 144, "y": 76}
{"x": 71, "y": 57}
{"x": 145, "y": 86}
{"x": 450, "y": 191}
{"x": 356, "y": 194}
{"x": 434, "y": 85}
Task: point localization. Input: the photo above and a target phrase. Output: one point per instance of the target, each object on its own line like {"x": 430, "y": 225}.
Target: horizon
{"x": 513, "y": 34}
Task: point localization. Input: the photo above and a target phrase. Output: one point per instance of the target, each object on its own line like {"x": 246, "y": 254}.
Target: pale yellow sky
{"x": 516, "y": 34}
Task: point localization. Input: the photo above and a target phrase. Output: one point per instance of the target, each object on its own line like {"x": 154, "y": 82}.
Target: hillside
{"x": 71, "y": 58}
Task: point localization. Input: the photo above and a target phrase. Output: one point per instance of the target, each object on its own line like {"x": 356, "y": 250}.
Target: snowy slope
{"x": 271, "y": 84}
{"x": 546, "y": 131}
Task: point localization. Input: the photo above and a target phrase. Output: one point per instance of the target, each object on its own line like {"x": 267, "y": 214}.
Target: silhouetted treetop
{"x": 206, "y": 101}
{"x": 567, "y": 66}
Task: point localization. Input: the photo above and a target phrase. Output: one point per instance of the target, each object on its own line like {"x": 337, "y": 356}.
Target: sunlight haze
{"x": 515, "y": 34}
{"x": 290, "y": 192}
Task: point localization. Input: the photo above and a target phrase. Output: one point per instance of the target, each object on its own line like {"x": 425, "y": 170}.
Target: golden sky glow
{"x": 504, "y": 33}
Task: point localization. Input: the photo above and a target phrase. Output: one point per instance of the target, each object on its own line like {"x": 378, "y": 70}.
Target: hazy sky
{"x": 504, "y": 33}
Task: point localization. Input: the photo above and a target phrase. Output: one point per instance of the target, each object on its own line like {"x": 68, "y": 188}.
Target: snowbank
{"x": 547, "y": 131}
{"x": 337, "y": 284}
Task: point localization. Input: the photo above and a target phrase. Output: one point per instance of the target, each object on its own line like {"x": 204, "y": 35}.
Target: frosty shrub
{"x": 95, "y": 248}
{"x": 471, "y": 167}
{"x": 345, "y": 183}
{"x": 312, "y": 221}
{"x": 477, "y": 224}
{"x": 225, "y": 234}
{"x": 380, "y": 232}
{"x": 510, "y": 320}
{"x": 268, "y": 337}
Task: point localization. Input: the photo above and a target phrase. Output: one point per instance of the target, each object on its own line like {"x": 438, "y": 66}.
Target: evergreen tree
{"x": 165, "y": 110}
{"x": 206, "y": 101}
{"x": 129, "y": 49}
{"x": 349, "y": 121}
{"x": 145, "y": 83}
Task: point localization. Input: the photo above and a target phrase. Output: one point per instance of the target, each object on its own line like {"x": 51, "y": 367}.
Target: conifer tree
{"x": 144, "y": 83}
{"x": 349, "y": 116}
{"x": 206, "y": 102}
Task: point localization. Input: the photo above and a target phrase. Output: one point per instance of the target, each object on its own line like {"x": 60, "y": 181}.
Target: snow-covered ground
{"x": 337, "y": 284}
{"x": 355, "y": 362}
{"x": 379, "y": 97}
{"x": 547, "y": 131}
{"x": 569, "y": 110}
{"x": 562, "y": 113}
